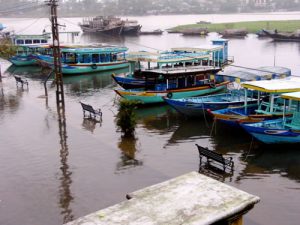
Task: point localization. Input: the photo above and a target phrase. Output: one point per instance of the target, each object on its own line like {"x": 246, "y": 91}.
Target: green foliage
{"x": 7, "y": 50}
{"x": 251, "y": 27}
{"x": 126, "y": 117}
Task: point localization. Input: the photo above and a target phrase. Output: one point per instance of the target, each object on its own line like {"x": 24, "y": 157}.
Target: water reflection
{"x": 90, "y": 124}
{"x": 90, "y": 82}
{"x": 159, "y": 119}
{"x": 65, "y": 195}
{"x": 128, "y": 147}
{"x": 266, "y": 160}
{"x": 9, "y": 102}
{"x": 33, "y": 72}
{"x": 101, "y": 38}
{"x": 190, "y": 130}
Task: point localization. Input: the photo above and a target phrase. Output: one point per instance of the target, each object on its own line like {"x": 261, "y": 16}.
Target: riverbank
{"x": 250, "y": 27}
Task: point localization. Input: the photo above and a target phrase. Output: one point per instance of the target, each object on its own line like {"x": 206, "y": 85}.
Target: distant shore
{"x": 250, "y": 27}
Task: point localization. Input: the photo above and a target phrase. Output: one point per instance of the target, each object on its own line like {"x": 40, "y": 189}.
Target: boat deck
{"x": 187, "y": 69}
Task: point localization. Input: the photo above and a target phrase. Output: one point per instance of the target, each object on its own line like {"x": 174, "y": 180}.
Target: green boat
{"x": 79, "y": 60}
{"x": 156, "y": 96}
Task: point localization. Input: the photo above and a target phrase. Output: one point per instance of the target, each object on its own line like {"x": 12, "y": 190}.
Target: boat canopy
{"x": 291, "y": 96}
{"x": 290, "y": 84}
{"x": 203, "y": 48}
{"x": 165, "y": 57}
{"x": 32, "y": 39}
{"x": 261, "y": 73}
{"x": 95, "y": 50}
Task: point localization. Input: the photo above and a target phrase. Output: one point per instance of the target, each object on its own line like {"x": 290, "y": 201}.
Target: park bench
{"x": 217, "y": 157}
{"x": 93, "y": 113}
{"x": 21, "y": 80}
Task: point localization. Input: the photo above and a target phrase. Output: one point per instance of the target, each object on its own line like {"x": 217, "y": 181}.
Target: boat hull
{"x": 112, "y": 31}
{"x": 282, "y": 135}
{"x": 152, "y": 97}
{"x": 23, "y": 61}
{"x": 132, "y": 83}
{"x": 47, "y": 61}
{"x": 235, "y": 116}
{"x": 131, "y": 30}
{"x": 193, "y": 108}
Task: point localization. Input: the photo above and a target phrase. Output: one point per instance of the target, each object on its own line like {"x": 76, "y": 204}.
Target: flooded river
{"x": 50, "y": 175}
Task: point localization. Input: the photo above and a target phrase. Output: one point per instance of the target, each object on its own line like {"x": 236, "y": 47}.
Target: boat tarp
{"x": 204, "y": 48}
{"x": 290, "y": 84}
{"x": 261, "y": 73}
{"x": 166, "y": 57}
{"x": 95, "y": 50}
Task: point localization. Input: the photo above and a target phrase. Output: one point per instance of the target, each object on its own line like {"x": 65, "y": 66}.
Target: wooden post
{"x": 60, "y": 101}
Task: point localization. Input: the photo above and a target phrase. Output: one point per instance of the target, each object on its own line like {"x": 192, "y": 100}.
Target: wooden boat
{"x": 152, "y": 32}
{"x": 280, "y": 131}
{"x": 88, "y": 59}
{"x": 279, "y": 36}
{"x": 103, "y": 24}
{"x": 161, "y": 90}
{"x": 197, "y": 106}
{"x": 264, "y": 110}
{"x": 236, "y": 33}
{"x": 27, "y": 47}
{"x": 195, "y": 31}
{"x": 185, "y": 61}
{"x": 131, "y": 27}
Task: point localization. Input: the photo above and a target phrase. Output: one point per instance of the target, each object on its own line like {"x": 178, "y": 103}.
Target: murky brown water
{"x": 49, "y": 176}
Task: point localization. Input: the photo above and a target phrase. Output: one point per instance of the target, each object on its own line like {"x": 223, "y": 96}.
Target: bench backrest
{"x": 209, "y": 153}
{"x": 87, "y": 107}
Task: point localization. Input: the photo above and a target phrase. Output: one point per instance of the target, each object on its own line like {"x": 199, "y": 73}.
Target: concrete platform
{"x": 189, "y": 199}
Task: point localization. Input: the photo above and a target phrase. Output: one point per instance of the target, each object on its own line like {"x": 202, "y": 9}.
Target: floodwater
{"x": 52, "y": 173}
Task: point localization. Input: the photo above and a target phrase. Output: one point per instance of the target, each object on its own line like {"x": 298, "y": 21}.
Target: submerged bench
{"x": 217, "y": 157}
{"x": 21, "y": 80}
{"x": 93, "y": 113}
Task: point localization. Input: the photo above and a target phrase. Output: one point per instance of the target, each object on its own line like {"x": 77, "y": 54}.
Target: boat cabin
{"x": 93, "y": 55}
{"x": 272, "y": 104}
{"x": 27, "y": 40}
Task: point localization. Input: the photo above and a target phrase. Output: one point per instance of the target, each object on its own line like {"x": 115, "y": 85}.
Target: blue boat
{"x": 280, "y": 131}
{"x": 149, "y": 68}
{"x": 269, "y": 108}
{"x": 197, "y": 106}
{"x": 80, "y": 60}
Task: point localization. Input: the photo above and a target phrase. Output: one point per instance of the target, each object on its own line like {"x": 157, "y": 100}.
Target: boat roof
{"x": 202, "y": 48}
{"x": 261, "y": 73}
{"x": 292, "y": 96}
{"x": 94, "y": 50}
{"x": 290, "y": 84}
{"x": 165, "y": 57}
{"x": 31, "y": 36}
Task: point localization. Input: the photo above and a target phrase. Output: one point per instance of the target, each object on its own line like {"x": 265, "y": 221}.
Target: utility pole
{"x": 60, "y": 100}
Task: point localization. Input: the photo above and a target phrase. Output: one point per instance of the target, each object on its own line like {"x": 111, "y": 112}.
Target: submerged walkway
{"x": 189, "y": 199}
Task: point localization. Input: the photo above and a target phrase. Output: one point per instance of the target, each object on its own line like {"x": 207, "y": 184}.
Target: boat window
{"x": 70, "y": 57}
{"x": 114, "y": 57}
{"x": 36, "y": 41}
{"x": 44, "y": 41}
{"x": 85, "y": 58}
{"x": 95, "y": 58}
{"x": 28, "y": 41}
{"x": 20, "y": 42}
{"x": 102, "y": 58}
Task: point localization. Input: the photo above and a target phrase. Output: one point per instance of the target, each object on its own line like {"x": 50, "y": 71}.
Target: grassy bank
{"x": 251, "y": 27}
